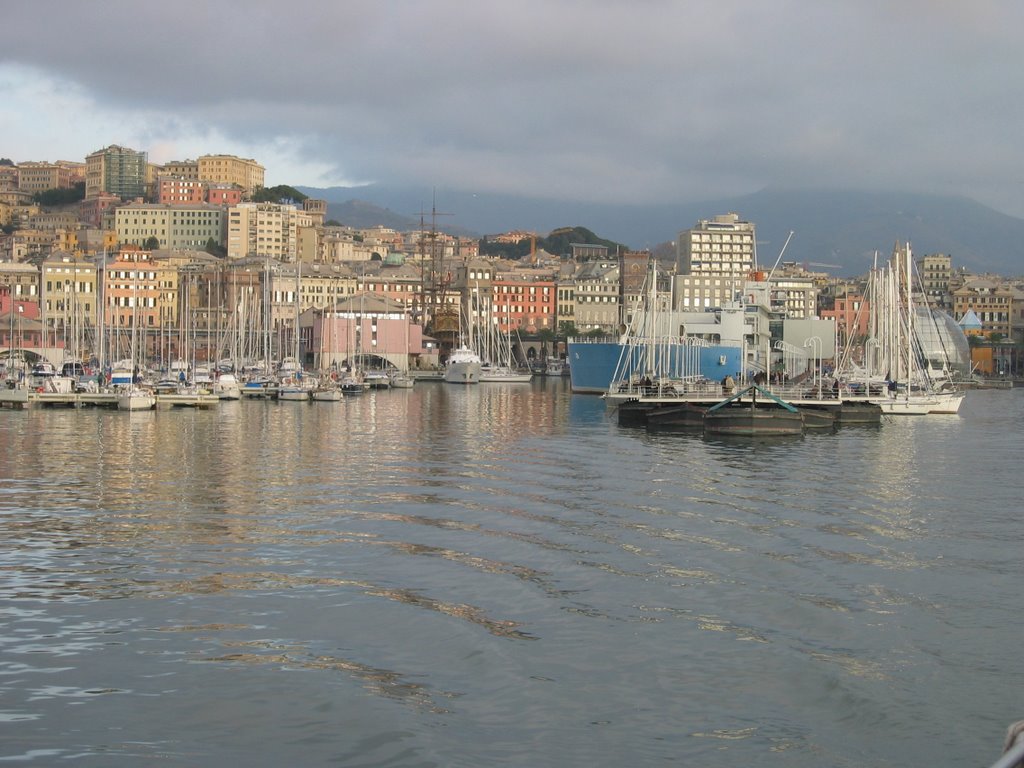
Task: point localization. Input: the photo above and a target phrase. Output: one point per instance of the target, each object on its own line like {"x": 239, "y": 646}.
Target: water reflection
{"x": 510, "y": 566}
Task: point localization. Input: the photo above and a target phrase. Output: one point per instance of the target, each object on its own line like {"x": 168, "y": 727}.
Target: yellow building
{"x": 265, "y": 229}
{"x": 39, "y": 177}
{"x": 229, "y": 169}
{"x": 69, "y": 290}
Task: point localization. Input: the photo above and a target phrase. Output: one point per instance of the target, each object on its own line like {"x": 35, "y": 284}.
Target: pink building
{"x": 360, "y": 326}
{"x": 223, "y": 194}
{"x": 174, "y": 190}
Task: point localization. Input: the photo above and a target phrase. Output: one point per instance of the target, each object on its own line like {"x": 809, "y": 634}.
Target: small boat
{"x": 135, "y": 399}
{"x": 294, "y": 390}
{"x": 401, "y": 380}
{"x": 258, "y": 387}
{"x": 226, "y": 387}
{"x": 463, "y": 367}
{"x": 745, "y": 415}
{"x": 351, "y": 385}
{"x": 327, "y": 394}
{"x": 556, "y": 367}
{"x": 376, "y": 378}
{"x": 503, "y": 373}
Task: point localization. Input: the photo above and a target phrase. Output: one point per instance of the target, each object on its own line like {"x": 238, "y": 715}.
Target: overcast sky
{"x": 604, "y": 101}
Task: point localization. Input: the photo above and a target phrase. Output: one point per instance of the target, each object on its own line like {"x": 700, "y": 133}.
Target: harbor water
{"x": 500, "y": 575}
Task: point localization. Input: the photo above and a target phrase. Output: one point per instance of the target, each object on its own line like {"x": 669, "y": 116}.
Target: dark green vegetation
{"x": 58, "y": 197}
{"x": 557, "y": 243}
{"x": 282, "y": 193}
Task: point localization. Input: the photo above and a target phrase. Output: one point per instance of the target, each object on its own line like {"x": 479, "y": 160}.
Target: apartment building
{"x": 596, "y": 296}
{"x": 936, "y": 272}
{"x": 229, "y": 169}
{"x": 20, "y": 279}
{"x": 524, "y": 300}
{"x": 69, "y": 291}
{"x": 177, "y": 190}
{"x": 39, "y": 177}
{"x": 181, "y": 169}
{"x": 174, "y": 226}
{"x": 137, "y": 291}
{"x": 718, "y": 255}
{"x": 400, "y": 283}
{"x": 118, "y": 170}
{"x": 992, "y": 301}
{"x": 264, "y": 229}
{"x": 8, "y": 178}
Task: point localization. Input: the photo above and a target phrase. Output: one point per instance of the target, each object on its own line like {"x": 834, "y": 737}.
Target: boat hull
{"x": 462, "y": 373}
{"x": 680, "y": 416}
{"x": 745, "y": 422}
{"x": 136, "y": 400}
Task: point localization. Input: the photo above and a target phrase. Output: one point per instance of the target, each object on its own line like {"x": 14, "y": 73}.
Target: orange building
{"x": 523, "y": 302}
{"x": 137, "y": 290}
{"x": 174, "y": 190}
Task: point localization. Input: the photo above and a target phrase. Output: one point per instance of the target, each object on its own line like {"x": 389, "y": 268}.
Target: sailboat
{"x": 912, "y": 384}
{"x": 131, "y": 396}
{"x": 294, "y": 383}
{"x": 500, "y": 347}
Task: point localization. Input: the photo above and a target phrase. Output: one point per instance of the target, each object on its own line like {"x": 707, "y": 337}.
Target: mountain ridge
{"x": 844, "y": 228}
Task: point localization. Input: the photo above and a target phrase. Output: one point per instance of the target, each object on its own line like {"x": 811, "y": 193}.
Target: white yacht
{"x": 463, "y": 367}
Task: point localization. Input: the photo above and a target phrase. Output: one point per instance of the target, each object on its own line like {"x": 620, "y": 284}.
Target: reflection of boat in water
{"x": 745, "y": 414}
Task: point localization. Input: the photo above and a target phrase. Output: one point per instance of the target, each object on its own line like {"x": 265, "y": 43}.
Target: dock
{"x": 27, "y": 398}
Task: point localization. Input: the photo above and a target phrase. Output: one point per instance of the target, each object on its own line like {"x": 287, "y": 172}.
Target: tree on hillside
{"x": 282, "y": 193}
{"x": 56, "y": 197}
{"x": 6, "y": 161}
{"x": 215, "y": 249}
{"x": 558, "y": 242}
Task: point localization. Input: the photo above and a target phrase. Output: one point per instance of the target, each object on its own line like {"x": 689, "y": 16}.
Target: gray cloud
{"x": 649, "y": 101}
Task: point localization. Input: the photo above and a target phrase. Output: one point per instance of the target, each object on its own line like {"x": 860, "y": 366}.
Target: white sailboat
{"x": 504, "y": 371}
{"x": 912, "y": 385}
{"x": 130, "y": 395}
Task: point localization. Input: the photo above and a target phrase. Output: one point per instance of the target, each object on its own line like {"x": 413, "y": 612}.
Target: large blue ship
{"x": 593, "y": 362}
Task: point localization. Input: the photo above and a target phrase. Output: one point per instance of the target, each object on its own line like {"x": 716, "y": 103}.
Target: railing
{"x": 1011, "y": 758}
{"x": 1014, "y": 754}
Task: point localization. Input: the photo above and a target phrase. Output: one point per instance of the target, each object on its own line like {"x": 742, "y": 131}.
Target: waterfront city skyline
{"x": 599, "y": 103}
